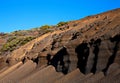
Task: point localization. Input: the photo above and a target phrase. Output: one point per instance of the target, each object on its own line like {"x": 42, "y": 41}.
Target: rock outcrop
{"x": 84, "y": 49}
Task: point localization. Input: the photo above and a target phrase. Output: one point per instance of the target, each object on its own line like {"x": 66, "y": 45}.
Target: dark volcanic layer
{"x": 91, "y": 45}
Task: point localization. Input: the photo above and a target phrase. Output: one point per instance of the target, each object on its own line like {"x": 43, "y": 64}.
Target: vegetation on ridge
{"x": 14, "y": 42}
{"x": 18, "y": 38}
{"x": 62, "y": 23}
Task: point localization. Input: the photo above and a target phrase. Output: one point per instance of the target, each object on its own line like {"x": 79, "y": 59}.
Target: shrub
{"x": 61, "y": 24}
{"x": 13, "y": 43}
{"x": 45, "y": 27}
{"x": 11, "y": 38}
{"x": 25, "y": 40}
{"x": 9, "y": 46}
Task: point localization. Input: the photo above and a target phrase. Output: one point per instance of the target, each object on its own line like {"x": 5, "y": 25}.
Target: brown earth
{"x": 86, "y": 51}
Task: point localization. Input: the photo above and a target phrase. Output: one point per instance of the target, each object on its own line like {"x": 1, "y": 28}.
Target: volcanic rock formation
{"x": 86, "y": 51}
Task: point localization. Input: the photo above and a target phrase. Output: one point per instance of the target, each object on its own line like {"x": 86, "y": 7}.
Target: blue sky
{"x": 27, "y": 14}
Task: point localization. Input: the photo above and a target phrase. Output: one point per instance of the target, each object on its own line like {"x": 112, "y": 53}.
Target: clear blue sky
{"x": 26, "y": 14}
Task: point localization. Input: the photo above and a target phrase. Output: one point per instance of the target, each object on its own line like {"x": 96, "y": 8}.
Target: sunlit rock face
{"x": 76, "y": 51}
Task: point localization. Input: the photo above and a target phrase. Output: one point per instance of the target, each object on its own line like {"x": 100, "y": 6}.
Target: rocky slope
{"x": 86, "y": 51}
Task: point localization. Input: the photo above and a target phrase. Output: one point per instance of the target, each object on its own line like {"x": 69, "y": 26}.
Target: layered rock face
{"x": 87, "y": 46}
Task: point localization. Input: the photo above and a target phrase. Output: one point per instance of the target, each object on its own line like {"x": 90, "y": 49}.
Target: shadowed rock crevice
{"x": 115, "y": 40}
{"x": 82, "y": 53}
{"x": 36, "y": 60}
{"x": 48, "y": 59}
{"x": 75, "y": 35}
{"x": 96, "y": 52}
{"x": 61, "y": 61}
{"x": 39, "y": 60}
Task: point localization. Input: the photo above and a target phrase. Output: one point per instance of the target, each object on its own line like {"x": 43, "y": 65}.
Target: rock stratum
{"x": 81, "y": 51}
